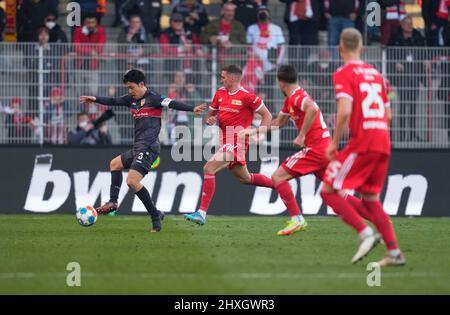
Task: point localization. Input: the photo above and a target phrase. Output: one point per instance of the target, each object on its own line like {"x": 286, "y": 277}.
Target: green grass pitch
{"x": 229, "y": 255}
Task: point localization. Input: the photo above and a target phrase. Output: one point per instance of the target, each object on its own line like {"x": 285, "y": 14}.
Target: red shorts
{"x": 305, "y": 162}
{"x": 239, "y": 151}
{"x": 364, "y": 172}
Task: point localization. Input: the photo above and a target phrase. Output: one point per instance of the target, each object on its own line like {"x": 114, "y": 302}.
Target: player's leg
{"x": 280, "y": 180}
{"x": 371, "y": 200}
{"x": 218, "y": 162}
{"x": 115, "y": 166}
{"x": 358, "y": 204}
{"x": 349, "y": 174}
{"x": 134, "y": 179}
{"x": 240, "y": 171}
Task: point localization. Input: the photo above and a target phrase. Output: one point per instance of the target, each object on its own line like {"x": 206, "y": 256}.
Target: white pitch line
{"x": 340, "y": 275}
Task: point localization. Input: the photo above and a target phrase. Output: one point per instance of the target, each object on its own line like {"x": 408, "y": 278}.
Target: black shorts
{"x": 140, "y": 160}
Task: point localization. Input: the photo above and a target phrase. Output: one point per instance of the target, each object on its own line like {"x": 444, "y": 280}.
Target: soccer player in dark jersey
{"x": 146, "y": 107}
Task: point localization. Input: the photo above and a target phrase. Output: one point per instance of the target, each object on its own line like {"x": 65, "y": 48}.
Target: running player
{"x": 312, "y": 140}
{"x": 234, "y": 108}
{"x": 363, "y": 163}
{"x": 146, "y": 107}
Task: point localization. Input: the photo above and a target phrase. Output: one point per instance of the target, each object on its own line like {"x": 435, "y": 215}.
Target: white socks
{"x": 366, "y": 233}
{"x": 202, "y": 213}
{"x": 298, "y": 218}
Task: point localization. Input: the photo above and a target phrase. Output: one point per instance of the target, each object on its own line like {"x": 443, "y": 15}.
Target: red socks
{"x": 261, "y": 180}
{"x": 209, "y": 187}
{"x": 345, "y": 210}
{"x": 382, "y": 222}
{"x": 359, "y": 206}
{"x": 286, "y": 194}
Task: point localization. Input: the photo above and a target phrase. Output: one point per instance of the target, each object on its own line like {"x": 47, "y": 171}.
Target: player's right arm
{"x": 109, "y": 101}
{"x": 280, "y": 121}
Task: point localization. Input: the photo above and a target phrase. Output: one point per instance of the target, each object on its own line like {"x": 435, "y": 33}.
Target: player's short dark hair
{"x": 134, "y": 76}
{"x": 287, "y": 73}
{"x": 233, "y": 69}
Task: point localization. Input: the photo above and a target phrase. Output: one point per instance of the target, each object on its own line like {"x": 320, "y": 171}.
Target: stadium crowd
{"x": 245, "y": 32}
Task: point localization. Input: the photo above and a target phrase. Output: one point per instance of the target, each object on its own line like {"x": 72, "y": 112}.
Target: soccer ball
{"x": 86, "y": 216}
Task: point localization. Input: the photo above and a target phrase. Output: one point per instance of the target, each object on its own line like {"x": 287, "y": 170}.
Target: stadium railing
{"x": 35, "y": 79}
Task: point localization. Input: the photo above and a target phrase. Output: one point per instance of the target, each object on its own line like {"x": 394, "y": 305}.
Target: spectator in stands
{"x": 246, "y": 10}
{"x": 267, "y": 42}
{"x": 134, "y": 35}
{"x": 225, "y": 32}
{"x": 2, "y": 23}
{"x": 393, "y": 12}
{"x": 182, "y": 91}
{"x": 302, "y": 18}
{"x": 436, "y": 17}
{"x": 319, "y": 75}
{"x": 177, "y": 46}
{"x": 50, "y": 67}
{"x": 55, "y": 118}
{"x": 18, "y": 125}
{"x": 340, "y": 14}
{"x": 57, "y": 34}
{"x": 149, "y": 11}
{"x": 86, "y": 133}
{"x": 30, "y": 17}
{"x": 407, "y": 71}
{"x": 194, "y": 14}
{"x": 89, "y": 42}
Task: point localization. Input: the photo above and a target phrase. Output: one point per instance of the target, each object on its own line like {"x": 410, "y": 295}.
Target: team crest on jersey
{"x": 236, "y": 102}
{"x": 220, "y": 99}
{"x": 142, "y": 102}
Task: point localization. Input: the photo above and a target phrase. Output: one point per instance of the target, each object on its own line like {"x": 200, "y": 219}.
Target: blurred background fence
{"x": 40, "y": 86}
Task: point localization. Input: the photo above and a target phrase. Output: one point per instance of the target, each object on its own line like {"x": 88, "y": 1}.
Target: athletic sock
{"x": 209, "y": 187}
{"x": 116, "y": 183}
{"x": 202, "y": 213}
{"x": 144, "y": 196}
{"x": 298, "y": 218}
{"x": 286, "y": 194}
{"x": 366, "y": 233}
{"x": 261, "y": 180}
{"x": 382, "y": 222}
{"x": 359, "y": 206}
{"x": 345, "y": 210}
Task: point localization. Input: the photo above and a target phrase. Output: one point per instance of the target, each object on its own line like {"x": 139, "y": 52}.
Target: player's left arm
{"x": 310, "y": 109}
{"x": 177, "y": 105}
{"x": 264, "y": 127}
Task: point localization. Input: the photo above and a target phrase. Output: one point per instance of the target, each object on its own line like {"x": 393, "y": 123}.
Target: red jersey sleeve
{"x": 285, "y": 109}
{"x": 299, "y": 101}
{"x": 254, "y": 102}
{"x": 342, "y": 85}
{"x": 214, "y": 104}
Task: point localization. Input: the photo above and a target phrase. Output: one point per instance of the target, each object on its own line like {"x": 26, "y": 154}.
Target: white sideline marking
{"x": 341, "y": 275}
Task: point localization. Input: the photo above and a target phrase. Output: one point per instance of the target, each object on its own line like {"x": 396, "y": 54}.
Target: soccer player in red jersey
{"x": 362, "y": 165}
{"x": 312, "y": 140}
{"x": 234, "y": 108}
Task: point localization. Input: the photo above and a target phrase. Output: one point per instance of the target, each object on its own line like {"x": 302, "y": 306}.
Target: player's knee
{"x": 244, "y": 179}
{"x": 275, "y": 179}
{"x": 115, "y": 165}
{"x": 132, "y": 183}
{"x": 208, "y": 169}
